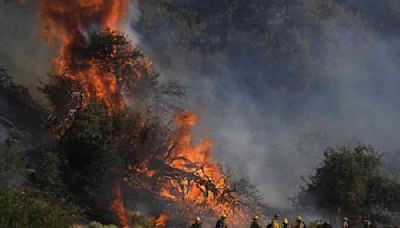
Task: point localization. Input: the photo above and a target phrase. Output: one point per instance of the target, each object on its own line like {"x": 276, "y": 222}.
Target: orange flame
{"x": 161, "y": 221}
{"x": 66, "y": 24}
{"x": 118, "y": 207}
{"x": 183, "y": 140}
{"x": 66, "y": 21}
{"x": 199, "y": 154}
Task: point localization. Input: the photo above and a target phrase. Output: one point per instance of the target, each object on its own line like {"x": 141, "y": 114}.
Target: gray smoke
{"x": 358, "y": 104}
{"x": 269, "y": 116}
{"x": 22, "y": 50}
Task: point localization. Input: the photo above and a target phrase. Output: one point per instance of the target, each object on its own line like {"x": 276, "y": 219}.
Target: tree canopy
{"x": 352, "y": 181}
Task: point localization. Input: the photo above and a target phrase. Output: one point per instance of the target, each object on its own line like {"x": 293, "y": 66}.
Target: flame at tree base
{"x": 187, "y": 176}
{"x": 117, "y": 206}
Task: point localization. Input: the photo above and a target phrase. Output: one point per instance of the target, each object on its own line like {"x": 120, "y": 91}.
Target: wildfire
{"x": 197, "y": 159}
{"x": 68, "y": 20}
{"x": 184, "y": 141}
{"x": 195, "y": 178}
{"x": 66, "y": 24}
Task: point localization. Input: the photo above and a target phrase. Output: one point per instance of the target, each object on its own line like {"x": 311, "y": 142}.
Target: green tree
{"x": 100, "y": 145}
{"x": 353, "y": 181}
{"x": 89, "y": 148}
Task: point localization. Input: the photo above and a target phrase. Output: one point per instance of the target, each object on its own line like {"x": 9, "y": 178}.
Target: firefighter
{"x": 275, "y": 222}
{"x": 367, "y": 223}
{"x": 197, "y": 223}
{"x": 346, "y": 223}
{"x": 255, "y": 224}
{"x": 285, "y": 223}
{"x": 221, "y": 223}
{"x": 299, "y": 222}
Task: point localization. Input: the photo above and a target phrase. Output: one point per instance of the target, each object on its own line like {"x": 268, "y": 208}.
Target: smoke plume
{"x": 279, "y": 84}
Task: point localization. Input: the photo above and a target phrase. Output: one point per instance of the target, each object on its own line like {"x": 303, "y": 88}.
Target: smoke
{"x": 272, "y": 90}
{"x": 21, "y": 51}
{"x": 357, "y": 103}
{"x": 273, "y": 110}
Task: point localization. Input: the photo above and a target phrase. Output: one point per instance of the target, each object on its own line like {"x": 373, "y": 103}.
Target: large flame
{"x": 196, "y": 179}
{"x": 65, "y": 24}
{"x": 66, "y": 21}
{"x": 197, "y": 158}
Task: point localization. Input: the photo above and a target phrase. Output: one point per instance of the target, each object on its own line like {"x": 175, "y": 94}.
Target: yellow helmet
{"x": 256, "y": 217}
{"x": 286, "y": 221}
{"x": 299, "y": 218}
{"x": 224, "y": 215}
{"x": 198, "y": 219}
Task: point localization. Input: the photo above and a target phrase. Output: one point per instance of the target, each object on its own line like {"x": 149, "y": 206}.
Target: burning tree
{"x": 107, "y": 103}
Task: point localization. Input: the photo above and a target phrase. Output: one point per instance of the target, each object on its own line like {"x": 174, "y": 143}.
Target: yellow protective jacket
{"x": 275, "y": 224}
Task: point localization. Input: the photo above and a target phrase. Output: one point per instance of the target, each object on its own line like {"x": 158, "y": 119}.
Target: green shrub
{"x": 352, "y": 179}
{"x": 48, "y": 173}
{"x": 33, "y": 209}
{"x": 12, "y": 166}
{"x": 99, "y": 225}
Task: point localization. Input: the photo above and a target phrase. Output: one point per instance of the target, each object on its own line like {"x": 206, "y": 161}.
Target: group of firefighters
{"x": 275, "y": 223}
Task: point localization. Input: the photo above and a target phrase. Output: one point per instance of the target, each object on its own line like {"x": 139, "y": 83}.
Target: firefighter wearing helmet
{"x": 255, "y": 224}
{"x": 275, "y": 222}
{"x": 299, "y": 222}
{"x": 197, "y": 223}
{"x": 285, "y": 223}
{"x": 367, "y": 223}
{"x": 345, "y": 223}
{"x": 221, "y": 223}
